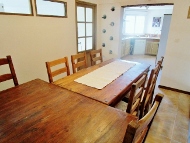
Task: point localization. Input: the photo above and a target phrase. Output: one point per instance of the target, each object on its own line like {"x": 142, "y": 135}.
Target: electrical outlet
{"x": 110, "y": 51}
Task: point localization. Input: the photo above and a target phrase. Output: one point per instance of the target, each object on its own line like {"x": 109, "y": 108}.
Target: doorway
{"x": 86, "y": 25}
{"x": 141, "y": 32}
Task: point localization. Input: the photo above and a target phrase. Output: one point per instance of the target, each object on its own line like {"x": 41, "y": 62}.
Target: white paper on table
{"x": 102, "y": 76}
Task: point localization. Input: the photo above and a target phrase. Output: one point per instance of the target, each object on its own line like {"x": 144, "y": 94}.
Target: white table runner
{"x": 101, "y": 77}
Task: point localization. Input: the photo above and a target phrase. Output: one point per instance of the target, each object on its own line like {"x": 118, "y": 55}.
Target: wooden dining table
{"x": 113, "y": 92}
{"x": 40, "y": 112}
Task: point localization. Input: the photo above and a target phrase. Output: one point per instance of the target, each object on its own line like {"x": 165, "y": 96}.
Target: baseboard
{"x": 173, "y": 89}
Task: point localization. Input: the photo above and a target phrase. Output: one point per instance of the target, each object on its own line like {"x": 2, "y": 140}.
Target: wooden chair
{"x": 135, "y": 96}
{"x": 64, "y": 68}
{"x": 78, "y": 61}
{"x": 146, "y": 99}
{"x": 8, "y": 76}
{"x": 157, "y": 69}
{"x": 137, "y": 130}
{"x": 160, "y": 62}
{"x": 96, "y": 55}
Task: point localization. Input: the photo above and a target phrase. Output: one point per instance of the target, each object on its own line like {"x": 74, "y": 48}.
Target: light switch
{"x": 188, "y": 16}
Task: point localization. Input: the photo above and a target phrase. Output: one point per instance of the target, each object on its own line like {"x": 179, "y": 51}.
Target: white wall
{"x": 110, "y": 30}
{"x": 176, "y": 69}
{"x": 155, "y": 13}
{"x": 176, "y": 64}
{"x": 31, "y": 41}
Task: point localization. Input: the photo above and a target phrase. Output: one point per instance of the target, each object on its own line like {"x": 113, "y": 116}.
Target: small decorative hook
{"x": 104, "y": 30}
{"x": 104, "y": 16}
{"x": 112, "y": 23}
{"x": 113, "y": 8}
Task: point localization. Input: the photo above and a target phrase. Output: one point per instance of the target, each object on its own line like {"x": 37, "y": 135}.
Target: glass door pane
{"x": 81, "y": 44}
{"x": 81, "y": 29}
{"x": 89, "y": 29}
{"x": 89, "y": 43}
{"x": 89, "y": 15}
{"x": 80, "y": 14}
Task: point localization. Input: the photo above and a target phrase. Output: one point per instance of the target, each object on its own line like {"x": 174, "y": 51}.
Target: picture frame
{"x": 156, "y": 21}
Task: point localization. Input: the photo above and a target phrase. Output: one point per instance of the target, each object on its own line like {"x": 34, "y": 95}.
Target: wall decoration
{"x": 20, "y": 7}
{"x": 104, "y": 16}
{"x": 156, "y": 21}
{"x": 104, "y": 30}
{"x": 113, "y": 8}
{"x": 51, "y": 8}
{"x": 112, "y": 23}
{"x": 111, "y": 37}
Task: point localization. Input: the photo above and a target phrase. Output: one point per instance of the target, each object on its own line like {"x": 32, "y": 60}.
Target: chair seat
{"x": 121, "y": 106}
{"x": 131, "y": 102}
{"x": 137, "y": 130}
{"x": 126, "y": 97}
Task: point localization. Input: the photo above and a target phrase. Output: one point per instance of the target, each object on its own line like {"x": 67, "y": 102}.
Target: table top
{"x": 38, "y": 111}
{"x": 113, "y": 92}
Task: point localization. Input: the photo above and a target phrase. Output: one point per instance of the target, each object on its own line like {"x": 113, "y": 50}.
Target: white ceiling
{"x": 152, "y": 7}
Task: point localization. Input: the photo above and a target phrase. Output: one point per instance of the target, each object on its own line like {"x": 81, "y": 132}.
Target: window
{"x": 134, "y": 21}
{"x": 134, "y": 24}
{"x": 85, "y": 26}
{"x": 51, "y": 8}
{"x": 16, "y": 7}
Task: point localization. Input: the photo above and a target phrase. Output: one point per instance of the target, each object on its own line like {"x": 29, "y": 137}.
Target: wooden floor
{"x": 171, "y": 123}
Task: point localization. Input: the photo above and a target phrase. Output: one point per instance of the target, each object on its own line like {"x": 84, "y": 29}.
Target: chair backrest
{"x": 135, "y": 95}
{"x": 8, "y": 76}
{"x": 96, "y": 55}
{"x": 63, "y": 62}
{"x": 160, "y": 62}
{"x": 149, "y": 91}
{"x": 137, "y": 130}
{"x": 78, "y": 61}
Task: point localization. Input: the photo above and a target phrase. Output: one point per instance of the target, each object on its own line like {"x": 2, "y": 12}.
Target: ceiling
{"x": 151, "y": 7}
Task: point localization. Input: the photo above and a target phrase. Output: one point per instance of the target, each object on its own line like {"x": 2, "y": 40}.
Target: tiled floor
{"x": 171, "y": 123}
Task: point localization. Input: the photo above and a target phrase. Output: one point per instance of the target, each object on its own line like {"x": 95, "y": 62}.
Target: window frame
{"x": 87, "y": 5}
{"x": 21, "y": 14}
{"x": 43, "y": 15}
